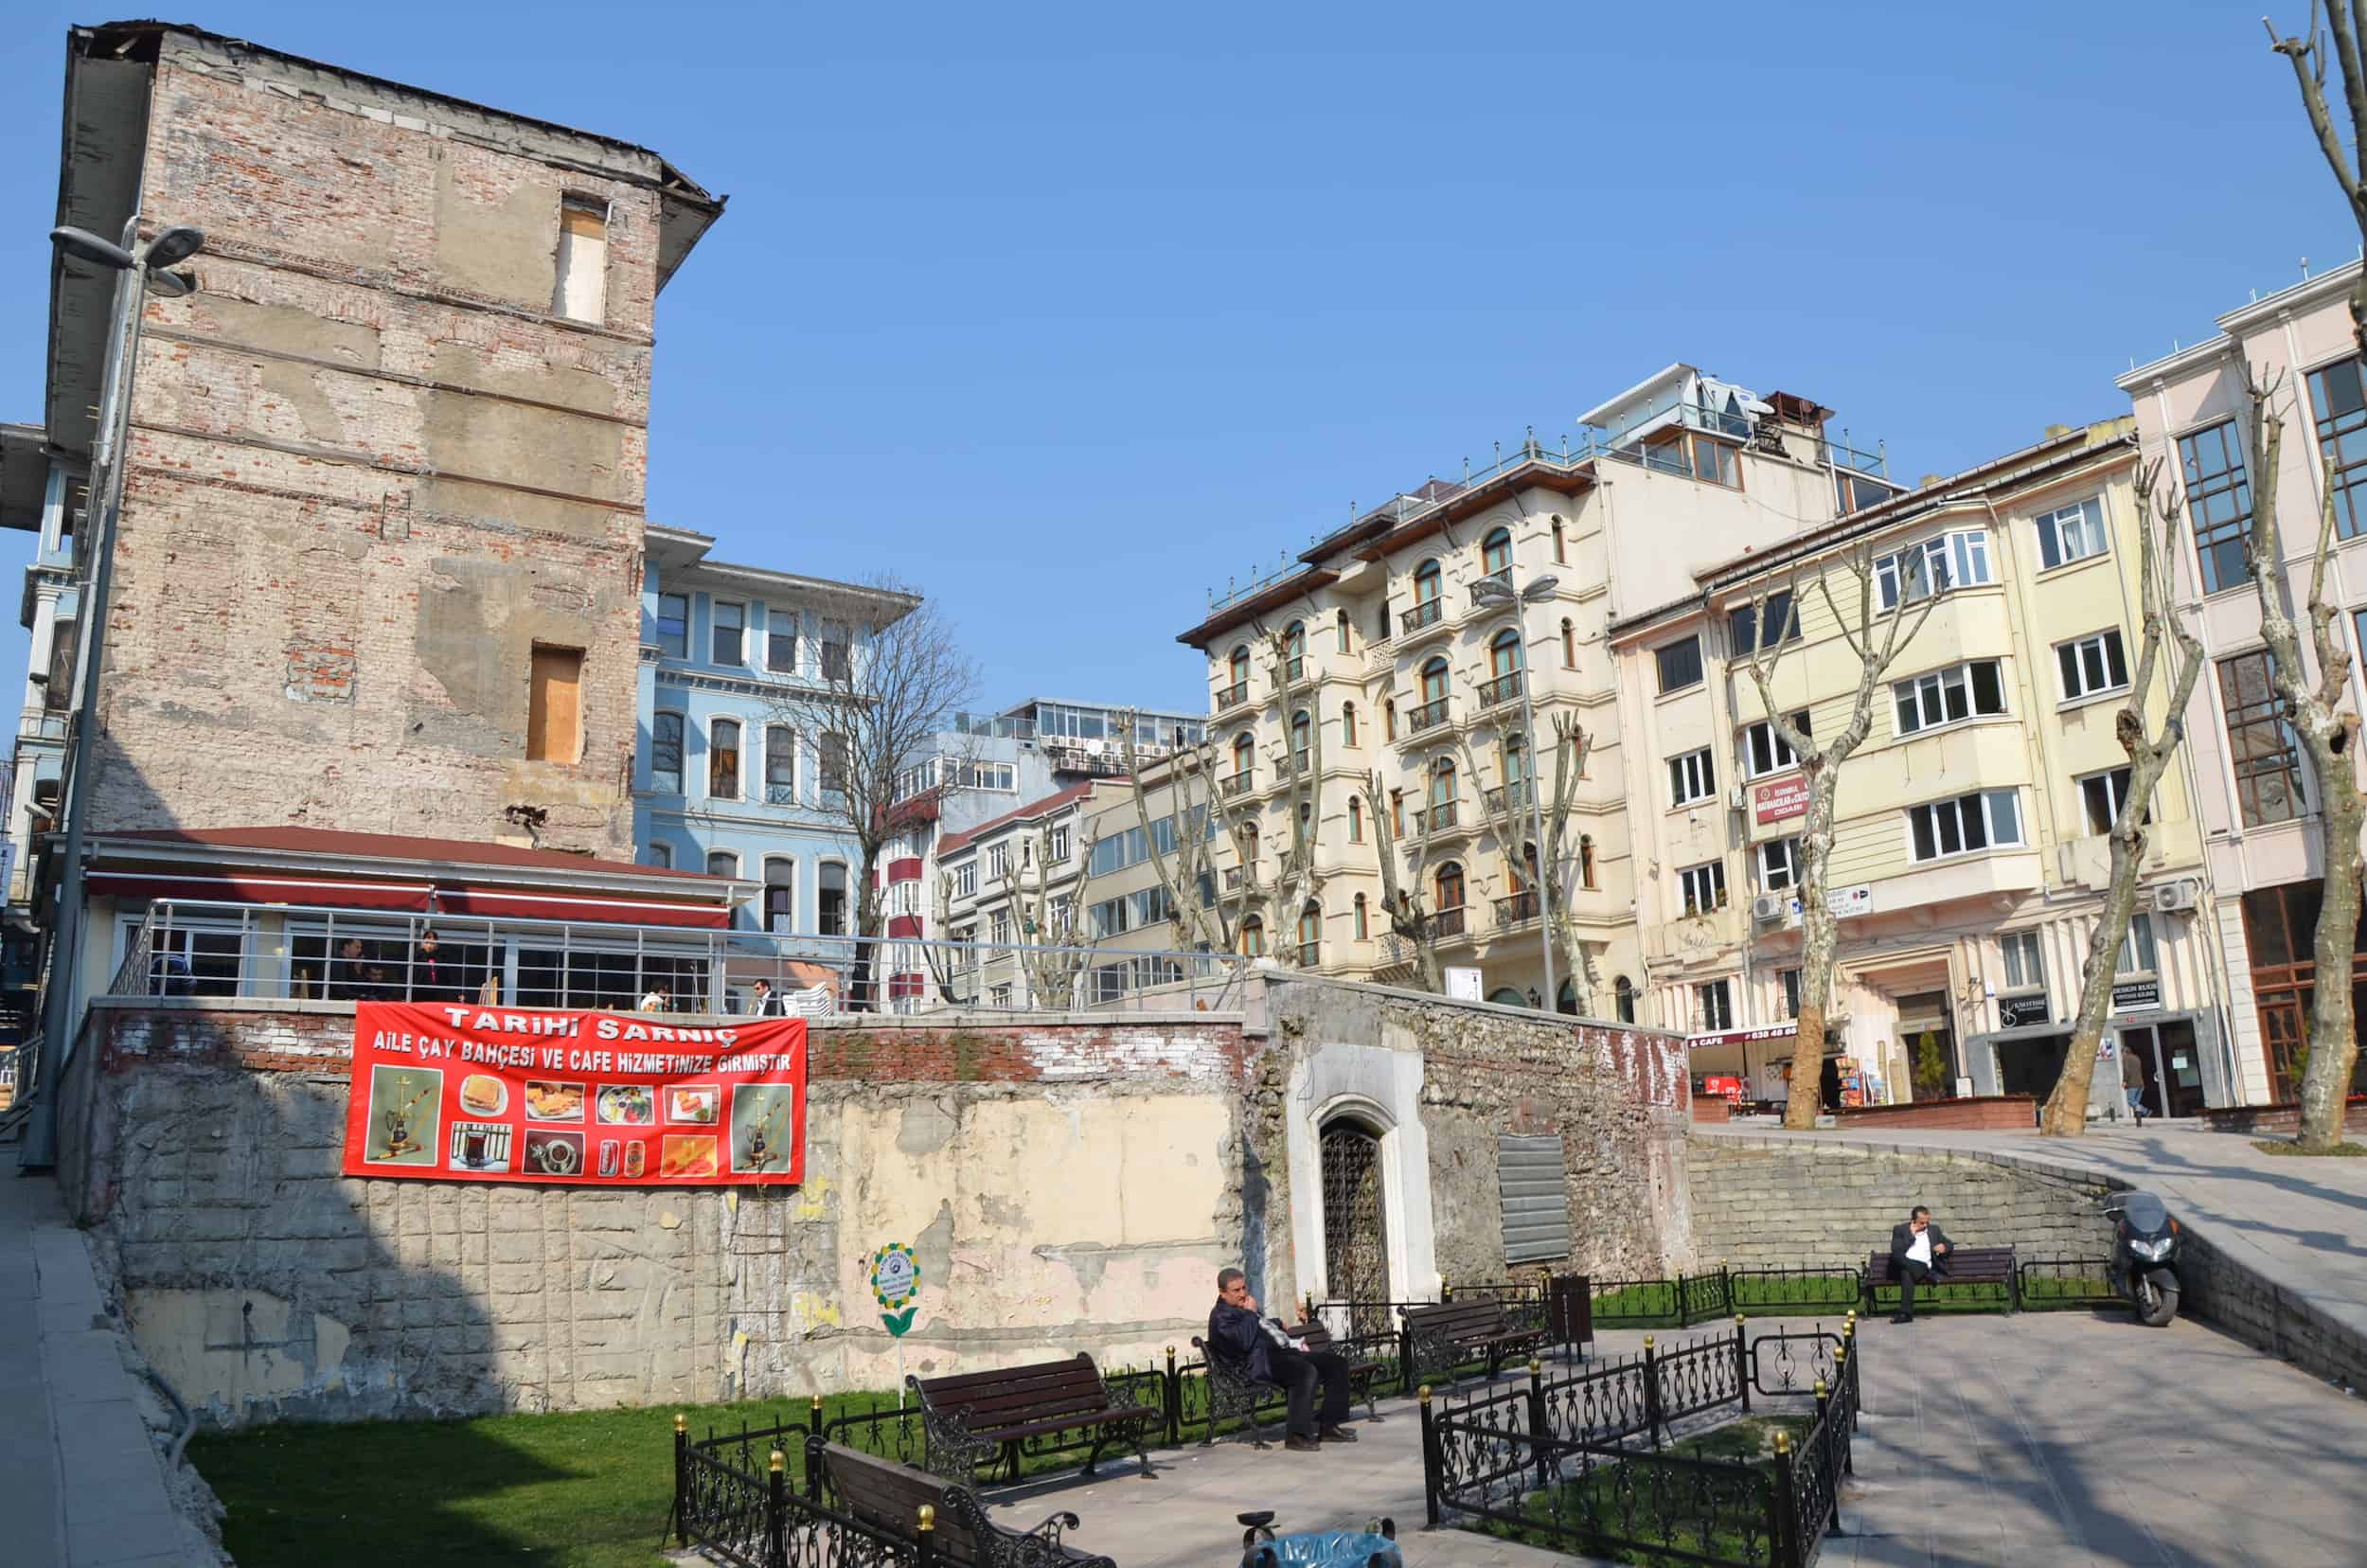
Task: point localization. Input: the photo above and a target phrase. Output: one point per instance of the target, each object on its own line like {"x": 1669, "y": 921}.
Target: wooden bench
{"x": 969, "y": 1416}
{"x": 1231, "y": 1390}
{"x": 1451, "y": 1333}
{"x": 1961, "y": 1265}
{"x": 888, "y": 1497}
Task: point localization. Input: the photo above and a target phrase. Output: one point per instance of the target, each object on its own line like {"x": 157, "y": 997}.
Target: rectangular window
{"x": 2136, "y": 955}
{"x": 1679, "y": 665}
{"x": 1715, "y": 462}
{"x": 966, "y": 880}
{"x": 1056, "y": 845}
{"x": 1947, "y": 696}
{"x": 2091, "y": 665}
{"x": 2262, "y": 748}
{"x": 1779, "y": 866}
{"x": 666, "y": 753}
{"x": 555, "y": 706}
{"x": 2071, "y": 533}
{"x": 2219, "y": 503}
{"x": 2342, "y": 413}
{"x": 580, "y": 290}
{"x": 780, "y": 642}
{"x": 1787, "y": 982}
{"x": 1956, "y": 560}
{"x": 833, "y": 764}
{"x": 1782, "y": 625}
{"x": 1704, "y": 886}
{"x": 1989, "y": 820}
{"x": 780, "y": 765}
{"x": 1691, "y": 777}
{"x": 674, "y": 625}
{"x": 1112, "y": 918}
{"x": 723, "y": 759}
{"x": 1763, "y": 748}
{"x": 997, "y": 861}
{"x": 1000, "y": 927}
{"x": 2101, "y": 796}
{"x": 731, "y": 623}
{"x": 1716, "y": 999}
{"x": 2026, "y": 966}
{"x": 837, "y": 661}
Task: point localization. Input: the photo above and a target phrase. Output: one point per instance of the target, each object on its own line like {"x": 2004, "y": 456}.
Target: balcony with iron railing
{"x": 1428, "y": 716}
{"x": 1518, "y": 909}
{"x": 1294, "y": 669}
{"x": 1502, "y": 577}
{"x": 1310, "y": 955}
{"x": 1438, "y": 818}
{"x": 1508, "y": 797}
{"x": 1232, "y": 697}
{"x": 1424, "y": 614}
{"x": 1449, "y": 923}
{"x": 1504, "y": 688}
{"x": 1238, "y": 783}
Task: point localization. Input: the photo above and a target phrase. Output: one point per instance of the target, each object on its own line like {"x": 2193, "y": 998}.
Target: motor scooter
{"x": 2144, "y": 1255}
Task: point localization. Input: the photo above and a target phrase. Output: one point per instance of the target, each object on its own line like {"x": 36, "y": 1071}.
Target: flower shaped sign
{"x": 895, "y": 1283}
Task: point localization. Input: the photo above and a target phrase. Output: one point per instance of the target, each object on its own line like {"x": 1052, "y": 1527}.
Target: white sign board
{"x": 1463, "y": 984}
{"x": 1850, "y": 900}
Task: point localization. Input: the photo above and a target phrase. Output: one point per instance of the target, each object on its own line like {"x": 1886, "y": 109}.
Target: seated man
{"x": 1918, "y": 1251}
{"x": 1259, "y": 1344}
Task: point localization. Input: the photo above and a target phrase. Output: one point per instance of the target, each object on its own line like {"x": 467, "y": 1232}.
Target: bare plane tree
{"x": 1514, "y": 825}
{"x": 1401, "y": 895}
{"x": 1049, "y": 923}
{"x": 873, "y": 715}
{"x": 1820, "y": 763}
{"x": 2165, "y": 641}
{"x": 2326, "y": 733}
{"x": 1199, "y": 925}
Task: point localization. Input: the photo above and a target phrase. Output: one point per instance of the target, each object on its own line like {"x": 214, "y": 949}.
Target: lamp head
{"x": 1541, "y": 588}
{"x": 175, "y": 245}
{"x": 86, "y": 246}
{"x": 173, "y": 285}
{"x": 1489, "y": 591}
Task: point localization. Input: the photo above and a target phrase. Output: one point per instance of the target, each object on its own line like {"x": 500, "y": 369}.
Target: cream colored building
{"x": 1001, "y": 891}
{"x": 2259, "y": 801}
{"x": 1969, "y": 857}
{"x": 1410, "y": 678}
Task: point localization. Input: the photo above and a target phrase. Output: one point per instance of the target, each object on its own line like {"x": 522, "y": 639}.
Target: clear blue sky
{"x": 1067, "y": 313}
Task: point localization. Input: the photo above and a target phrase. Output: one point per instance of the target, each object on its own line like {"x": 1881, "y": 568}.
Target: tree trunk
{"x": 2065, "y": 1112}
{"x": 1820, "y": 936}
{"x": 2333, "y": 1042}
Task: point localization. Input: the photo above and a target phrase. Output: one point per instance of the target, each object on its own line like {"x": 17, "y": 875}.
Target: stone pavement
{"x": 2059, "y": 1437}
{"x": 81, "y": 1484}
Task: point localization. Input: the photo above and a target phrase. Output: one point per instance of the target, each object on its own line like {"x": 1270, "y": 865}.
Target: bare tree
{"x": 1510, "y": 818}
{"x": 1054, "y": 956}
{"x": 1820, "y": 763}
{"x": 2165, "y": 641}
{"x": 1401, "y": 896}
{"x": 873, "y": 714}
{"x": 1189, "y": 866}
{"x": 2325, "y": 732}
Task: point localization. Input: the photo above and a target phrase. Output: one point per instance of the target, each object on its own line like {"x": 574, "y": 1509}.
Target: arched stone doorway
{"x": 1356, "y": 1221}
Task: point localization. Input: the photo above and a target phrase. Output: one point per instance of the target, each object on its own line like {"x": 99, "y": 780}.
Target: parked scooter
{"x": 2144, "y": 1255}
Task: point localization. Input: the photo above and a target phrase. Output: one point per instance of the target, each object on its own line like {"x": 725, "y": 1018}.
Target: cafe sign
{"x": 1780, "y": 799}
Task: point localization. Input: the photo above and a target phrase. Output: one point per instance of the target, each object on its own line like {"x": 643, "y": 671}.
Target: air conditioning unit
{"x": 1770, "y": 906}
{"x": 1738, "y": 799}
{"x": 2171, "y": 897}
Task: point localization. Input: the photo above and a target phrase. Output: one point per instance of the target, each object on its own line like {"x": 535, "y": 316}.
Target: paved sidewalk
{"x": 81, "y": 1485}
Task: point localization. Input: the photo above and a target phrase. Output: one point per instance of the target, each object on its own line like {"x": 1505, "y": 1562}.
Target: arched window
{"x": 1586, "y": 861}
{"x": 1569, "y": 644}
{"x": 1363, "y": 930}
{"x": 1311, "y": 933}
{"x": 1427, "y": 583}
{"x": 780, "y": 894}
{"x": 1302, "y": 742}
{"x": 1347, "y": 724}
{"x": 1624, "y": 990}
{"x": 1503, "y": 666}
{"x": 1567, "y": 1001}
{"x": 1450, "y": 887}
{"x": 1515, "y": 766}
{"x": 1249, "y": 848}
{"x": 1339, "y": 621}
{"x": 1561, "y": 554}
{"x": 1434, "y": 682}
{"x": 1252, "y": 938}
{"x": 1523, "y": 871}
{"x": 1496, "y": 553}
{"x": 1356, "y": 819}
{"x": 1294, "y": 650}
{"x": 723, "y": 759}
{"x": 1243, "y": 751}
{"x": 1237, "y": 668}
{"x": 1389, "y": 721}
{"x": 723, "y": 862}
{"x": 780, "y": 765}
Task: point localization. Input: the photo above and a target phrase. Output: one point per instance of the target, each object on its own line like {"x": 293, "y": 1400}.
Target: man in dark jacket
{"x": 1270, "y": 1355}
{"x": 1918, "y": 1251}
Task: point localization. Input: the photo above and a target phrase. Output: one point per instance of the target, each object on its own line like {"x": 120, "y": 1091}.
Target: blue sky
{"x": 1066, "y": 314}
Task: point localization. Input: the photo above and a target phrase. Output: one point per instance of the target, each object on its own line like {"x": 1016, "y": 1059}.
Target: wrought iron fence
{"x": 2065, "y": 1282}
{"x": 1690, "y": 1298}
{"x": 1582, "y": 1464}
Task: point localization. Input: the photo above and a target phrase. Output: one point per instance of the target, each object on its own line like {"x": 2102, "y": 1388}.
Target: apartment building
{"x": 1969, "y": 857}
{"x": 2258, "y": 800}
{"x": 1004, "y": 893}
{"x": 1396, "y": 666}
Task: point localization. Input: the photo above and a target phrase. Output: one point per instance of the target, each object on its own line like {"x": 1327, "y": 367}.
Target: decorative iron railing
{"x": 1424, "y": 612}
{"x": 1428, "y": 716}
{"x": 1236, "y": 783}
{"x": 1447, "y": 922}
{"x": 1504, "y": 688}
{"x": 1518, "y": 907}
{"x": 1233, "y": 696}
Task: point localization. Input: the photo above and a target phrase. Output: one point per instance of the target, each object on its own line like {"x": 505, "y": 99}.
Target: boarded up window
{"x": 1537, "y": 1199}
{"x": 555, "y": 706}
{"x": 582, "y": 292}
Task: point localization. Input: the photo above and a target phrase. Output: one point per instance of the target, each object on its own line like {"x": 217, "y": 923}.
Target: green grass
{"x": 1750, "y": 1441}
{"x": 1651, "y": 1307}
{"x": 2285, "y": 1145}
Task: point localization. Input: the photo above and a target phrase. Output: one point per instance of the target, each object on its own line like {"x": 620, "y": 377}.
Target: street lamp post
{"x": 1492, "y": 591}
{"x": 138, "y": 267}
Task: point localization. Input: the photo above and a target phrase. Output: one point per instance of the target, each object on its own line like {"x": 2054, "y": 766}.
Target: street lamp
{"x": 1498, "y": 591}
{"x": 138, "y": 268}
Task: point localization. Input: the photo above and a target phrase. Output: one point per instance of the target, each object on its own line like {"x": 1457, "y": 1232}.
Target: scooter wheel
{"x": 2165, "y": 1307}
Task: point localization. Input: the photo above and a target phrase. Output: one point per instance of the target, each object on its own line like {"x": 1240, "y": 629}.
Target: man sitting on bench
{"x": 1273, "y": 1356}
{"x": 1918, "y": 1251}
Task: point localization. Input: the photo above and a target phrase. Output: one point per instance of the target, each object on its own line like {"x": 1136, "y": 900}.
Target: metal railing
{"x": 1427, "y": 716}
{"x": 1233, "y": 696}
{"x": 1438, "y": 817}
{"x": 1447, "y": 922}
{"x": 1512, "y": 911}
{"x": 1424, "y": 612}
{"x": 285, "y": 953}
{"x": 1236, "y": 783}
{"x": 1513, "y": 797}
{"x": 1504, "y": 688}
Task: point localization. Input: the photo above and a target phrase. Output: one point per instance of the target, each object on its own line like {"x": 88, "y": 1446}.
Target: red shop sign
{"x": 1781, "y": 799}
{"x": 455, "y": 1092}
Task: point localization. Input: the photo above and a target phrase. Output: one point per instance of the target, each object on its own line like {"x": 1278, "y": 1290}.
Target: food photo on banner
{"x": 465, "y": 1093}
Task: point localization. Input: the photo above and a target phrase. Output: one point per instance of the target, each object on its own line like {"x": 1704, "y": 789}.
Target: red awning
{"x": 504, "y": 901}
{"x": 249, "y": 887}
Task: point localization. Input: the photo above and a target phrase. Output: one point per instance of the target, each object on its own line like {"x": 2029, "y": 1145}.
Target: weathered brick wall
{"x": 1776, "y": 1202}
{"x": 370, "y": 471}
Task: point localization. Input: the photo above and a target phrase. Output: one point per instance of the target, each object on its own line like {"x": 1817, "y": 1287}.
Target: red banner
{"x": 1781, "y": 800}
{"x": 462, "y": 1093}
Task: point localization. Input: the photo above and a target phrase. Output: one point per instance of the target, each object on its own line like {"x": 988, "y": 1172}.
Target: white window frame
{"x": 2080, "y": 524}
{"x": 1764, "y": 737}
{"x": 2138, "y": 952}
{"x": 1056, "y": 845}
{"x": 1930, "y": 690}
{"x": 1692, "y": 777}
{"x": 997, "y": 861}
{"x": 2113, "y": 786}
{"x": 1778, "y": 854}
{"x": 2022, "y": 951}
{"x": 792, "y": 734}
{"x": 657, "y": 627}
{"x": 708, "y": 783}
{"x": 774, "y": 619}
{"x": 1960, "y": 559}
{"x": 966, "y": 880}
{"x": 708, "y": 863}
{"x": 1987, "y": 802}
{"x": 714, "y": 608}
{"x": 1702, "y": 889}
{"x": 2107, "y": 643}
